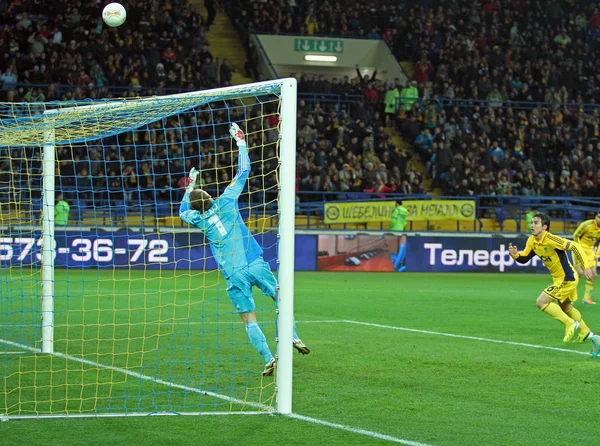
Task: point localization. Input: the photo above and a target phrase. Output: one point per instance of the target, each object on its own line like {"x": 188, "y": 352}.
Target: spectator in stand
{"x": 391, "y": 101}
{"x": 211, "y": 11}
{"x": 9, "y": 79}
{"x": 225, "y": 73}
{"x": 61, "y": 211}
{"x": 37, "y": 42}
{"x": 312, "y": 26}
{"x": 409, "y": 96}
{"x": 424, "y": 142}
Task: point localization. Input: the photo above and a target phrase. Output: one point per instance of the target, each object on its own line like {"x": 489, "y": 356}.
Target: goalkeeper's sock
{"x": 400, "y": 257}
{"x": 574, "y": 314}
{"x": 402, "y": 252}
{"x": 557, "y": 313}
{"x": 294, "y": 333}
{"x": 259, "y": 341}
{"x": 589, "y": 286}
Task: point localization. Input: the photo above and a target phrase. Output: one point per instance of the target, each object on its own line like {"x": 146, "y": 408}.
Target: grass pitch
{"x": 430, "y": 359}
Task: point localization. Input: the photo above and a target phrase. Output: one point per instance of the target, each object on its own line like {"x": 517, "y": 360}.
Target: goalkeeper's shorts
{"x": 239, "y": 285}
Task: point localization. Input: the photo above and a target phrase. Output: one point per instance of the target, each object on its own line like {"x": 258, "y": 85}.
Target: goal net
{"x": 109, "y": 303}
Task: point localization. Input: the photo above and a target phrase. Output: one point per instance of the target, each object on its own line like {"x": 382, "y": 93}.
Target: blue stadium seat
{"x": 79, "y": 210}
{"x": 576, "y": 215}
{"x": 163, "y": 209}
{"x": 118, "y": 211}
{"x": 500, "y": 214}
{"x": 36, "y": 209}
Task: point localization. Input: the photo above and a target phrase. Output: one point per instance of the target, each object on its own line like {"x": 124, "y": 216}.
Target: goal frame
{"x": 286, "y": 214}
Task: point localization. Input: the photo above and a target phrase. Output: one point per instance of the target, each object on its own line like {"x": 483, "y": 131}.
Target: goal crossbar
{"x": 79, "y": 121}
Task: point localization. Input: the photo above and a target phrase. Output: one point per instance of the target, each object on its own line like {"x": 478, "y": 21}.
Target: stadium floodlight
{"x": 122, "y": 311}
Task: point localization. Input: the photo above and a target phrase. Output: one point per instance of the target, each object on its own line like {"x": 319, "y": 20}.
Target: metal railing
{"x": 125, "y": 91}
{"x": 468, "y": 104}
{"x": 115, "y": 207}
{"x": 505, "y": 210}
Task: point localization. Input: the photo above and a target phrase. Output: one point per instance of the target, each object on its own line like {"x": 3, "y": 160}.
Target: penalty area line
{"x": 328, "y": 321}
{"x": 472, "y": 338}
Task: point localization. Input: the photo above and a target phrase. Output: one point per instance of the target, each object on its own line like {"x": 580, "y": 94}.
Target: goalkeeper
{"x": 234, "y": 248}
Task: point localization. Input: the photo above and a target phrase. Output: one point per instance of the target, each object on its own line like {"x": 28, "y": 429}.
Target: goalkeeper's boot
{"x": 300, "y": 346}
{"x": 570, "y": 331}
{"x": 583, "y": 336}
{"x": 595, "y": 346}
{"x": 589, "y": 301}
{"x": 269, "y": 367}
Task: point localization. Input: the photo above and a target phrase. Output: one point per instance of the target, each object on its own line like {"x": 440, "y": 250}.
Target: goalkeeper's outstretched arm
{"x": 239, "y": 181}
{"x": 185, "y": 211}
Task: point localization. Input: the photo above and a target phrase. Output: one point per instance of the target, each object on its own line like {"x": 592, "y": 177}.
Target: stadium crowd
{"x": 502, "y": 56}
{"x": 162, "y": 48}
{"x": 477, "y": 65}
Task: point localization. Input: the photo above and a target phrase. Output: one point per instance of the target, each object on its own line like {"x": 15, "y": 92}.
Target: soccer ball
{"x": 114, "y": 14}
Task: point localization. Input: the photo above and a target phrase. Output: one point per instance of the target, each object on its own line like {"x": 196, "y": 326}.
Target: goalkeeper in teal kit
{"x": 234, "y": 248}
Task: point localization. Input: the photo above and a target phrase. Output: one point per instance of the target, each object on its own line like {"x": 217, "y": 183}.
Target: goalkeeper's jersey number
{"x": 215, "y": 220}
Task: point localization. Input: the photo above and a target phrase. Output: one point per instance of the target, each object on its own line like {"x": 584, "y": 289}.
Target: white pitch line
{"x": 142, "y": 323}
{"x": 298, "y": 416}
{"x": 472, "y": 338}
{"x": 341, "y": 321}
{"x": 224, "y": 397}
{"x": 136, "y": 375}
{"x": 355, "y": 430}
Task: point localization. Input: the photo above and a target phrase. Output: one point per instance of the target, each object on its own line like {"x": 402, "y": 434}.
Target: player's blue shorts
{"x": 239, "y": 286}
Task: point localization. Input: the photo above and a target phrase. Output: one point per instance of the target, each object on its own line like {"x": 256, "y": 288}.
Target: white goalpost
{"x": 134, "y": 317}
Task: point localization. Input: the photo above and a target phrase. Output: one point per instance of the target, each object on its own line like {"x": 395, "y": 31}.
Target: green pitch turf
{"x": 423, "y": 359}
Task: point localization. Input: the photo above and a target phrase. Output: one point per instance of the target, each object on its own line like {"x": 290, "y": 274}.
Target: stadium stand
{"x": 496, "y": 108}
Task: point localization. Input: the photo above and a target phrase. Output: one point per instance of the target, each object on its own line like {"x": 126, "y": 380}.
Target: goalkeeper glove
{"x": 192, "y": 179}
{"x": 236, "y": 133}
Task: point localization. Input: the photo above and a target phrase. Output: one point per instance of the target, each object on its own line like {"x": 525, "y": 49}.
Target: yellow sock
{"x": 574, "y": 314}
{"x": 589, "y": 286}
{"x": 557, "y": 313}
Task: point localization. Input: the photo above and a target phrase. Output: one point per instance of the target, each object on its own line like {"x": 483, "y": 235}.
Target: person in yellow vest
{"x": 398, "y": 223}
{"x": 399, "y": 216}
{"x": 391, "y": 104}
{"x": 61, "y": 211}
{"x": 409, "y": 95}
{"x": 587, "y": 235}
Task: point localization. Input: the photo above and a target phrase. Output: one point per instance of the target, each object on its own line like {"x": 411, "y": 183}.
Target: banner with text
{"x": 359, "y": 211}
{"x": 440, "y": 209}
{"x": 181, "y": 250}
{"x": 474, "y": 254}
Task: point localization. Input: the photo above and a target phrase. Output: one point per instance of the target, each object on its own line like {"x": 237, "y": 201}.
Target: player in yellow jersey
{"x": 556, "y": 299}
{"x": 587, "y": 235}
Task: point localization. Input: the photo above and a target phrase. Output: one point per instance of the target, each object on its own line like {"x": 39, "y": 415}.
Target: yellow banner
{"x": 440, "y": 209}
{"x": 359, "y": 212}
